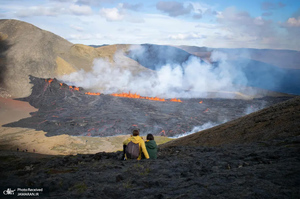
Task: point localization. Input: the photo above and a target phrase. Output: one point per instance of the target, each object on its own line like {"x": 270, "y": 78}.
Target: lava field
{"x": 64, "y": 109}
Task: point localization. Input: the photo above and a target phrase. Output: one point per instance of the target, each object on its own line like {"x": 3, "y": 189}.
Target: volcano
{"x": 66, "y": 109}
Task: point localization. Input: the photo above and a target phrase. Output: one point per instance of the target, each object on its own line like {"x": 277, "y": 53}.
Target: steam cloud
{"x": 191, "y": 78}
{"x": 199, "y": 128}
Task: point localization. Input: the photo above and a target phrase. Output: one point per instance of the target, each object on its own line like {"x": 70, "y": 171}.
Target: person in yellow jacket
{"x": 136, "y": 139}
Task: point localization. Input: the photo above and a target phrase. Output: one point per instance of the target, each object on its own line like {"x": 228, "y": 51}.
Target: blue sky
{"x": 213, "y": 23}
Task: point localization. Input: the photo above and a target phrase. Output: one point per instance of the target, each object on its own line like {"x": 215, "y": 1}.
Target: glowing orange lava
{"x": 175, "y": 100}
{"x": 90, "y": 93}
{"x": 74, "y": 88}
{"x": 128, "y": 95}
{"x": 49, "y": 80}
{"x": 137, "y": 96}
{"x": 206, "y": 110}
{"x": 163, "y": 133}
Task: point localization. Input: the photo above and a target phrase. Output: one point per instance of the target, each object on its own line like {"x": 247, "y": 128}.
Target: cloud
{"x": 241, "y": 25}
{"x": 112, "y": 14}
{"x": 173, "y": 8}
{"x": 134, "y": 7}
{"x": 93, "y": 2}
{"x": 201, "y": 10}
{"x": 271, "y": 5}
{"x": 197, "y": 16}
{"x": 187, "y": 36}
{"x": 54, "y": 10}
{"x": 85, "y": 36}
{"x": 38, "y": 11}
{"x": 293, "y": 22}
{"x": 79, "y": 29}
{"x": 210, "y": 12}
{"x": 208, "y": 26}
{"x": 63, "y": 1}
{"x": 266, "y": 14}
{"x": 80, "y": 10}
{"x": 292, "y": 27}
{"x": 120, "y": 13}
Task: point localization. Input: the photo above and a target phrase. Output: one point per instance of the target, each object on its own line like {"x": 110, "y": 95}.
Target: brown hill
{"x": 28, "y": 50}
{"x": 276, "y": 122}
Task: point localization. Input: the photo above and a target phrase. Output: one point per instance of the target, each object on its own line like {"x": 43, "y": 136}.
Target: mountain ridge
{"x": 28, "y": 50}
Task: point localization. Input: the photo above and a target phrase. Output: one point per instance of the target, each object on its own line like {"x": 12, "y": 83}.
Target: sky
{"x": 212, "y": 23}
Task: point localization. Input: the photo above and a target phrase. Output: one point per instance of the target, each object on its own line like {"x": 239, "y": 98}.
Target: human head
{"x": 150, "y": 137}
{"x": 135, "y": 133}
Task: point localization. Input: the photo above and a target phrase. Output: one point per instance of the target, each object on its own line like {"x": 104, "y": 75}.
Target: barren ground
{"x": 31, "y": 140}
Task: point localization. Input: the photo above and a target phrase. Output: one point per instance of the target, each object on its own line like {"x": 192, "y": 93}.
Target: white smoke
{"x": 253, "y": 108}
{"x": 193, "y": 78}
{"x": 198, "y": 128}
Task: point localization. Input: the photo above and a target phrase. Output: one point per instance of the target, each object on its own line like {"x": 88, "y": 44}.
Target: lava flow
{"x": 90, "y": 93}
{"x": 68, "y": 110}
{"x": 137, "y": 96}
{"x": 175, "y": 100}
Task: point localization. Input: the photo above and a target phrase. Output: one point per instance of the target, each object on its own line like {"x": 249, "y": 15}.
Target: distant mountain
{"x": 155, "y": 56}
{"x": 28, "y": 50}
{"x": 266, "y": 76}
{"x": 275, "y": 70}
{"x": 280, "y": 58}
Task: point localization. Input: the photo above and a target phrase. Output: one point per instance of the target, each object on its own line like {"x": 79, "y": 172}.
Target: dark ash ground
{"x": 66, "y": 111}
{"x": 259, "y": 170}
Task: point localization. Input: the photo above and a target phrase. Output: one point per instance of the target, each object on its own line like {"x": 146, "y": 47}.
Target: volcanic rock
{"x": 255, "y": 156}
{"x": 279, "y": 121}
{"x": 263, "y": 169}
{"x": 65, "y": 109}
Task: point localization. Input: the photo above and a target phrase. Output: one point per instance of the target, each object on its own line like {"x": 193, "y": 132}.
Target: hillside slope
{"x": 279, "y": 121}
{"x": 244, "y": 168}
{"x": 28, "y": 50}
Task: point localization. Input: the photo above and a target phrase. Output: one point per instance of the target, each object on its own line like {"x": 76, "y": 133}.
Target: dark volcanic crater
{"x": 64, "y": 110}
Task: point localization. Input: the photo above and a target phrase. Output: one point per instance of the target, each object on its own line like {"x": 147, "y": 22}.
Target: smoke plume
{"x": 188, "y": 78}
{"x": 198, "y": 128}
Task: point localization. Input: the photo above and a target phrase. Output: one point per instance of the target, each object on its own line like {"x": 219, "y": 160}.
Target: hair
{"x": 150, "y": 137}
{"x": 135, "y": 132}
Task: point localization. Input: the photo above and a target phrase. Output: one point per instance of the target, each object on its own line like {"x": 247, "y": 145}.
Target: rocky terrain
{"x": 63, "y": 109}
{"x": 261, "y": 164}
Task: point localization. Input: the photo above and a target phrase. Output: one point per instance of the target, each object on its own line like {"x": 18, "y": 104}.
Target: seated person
{"x": 151, "y": 146}
{"x": 134, "y": 146}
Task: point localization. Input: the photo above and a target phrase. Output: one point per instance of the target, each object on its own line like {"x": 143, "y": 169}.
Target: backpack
{"x": 132, "y": 150}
